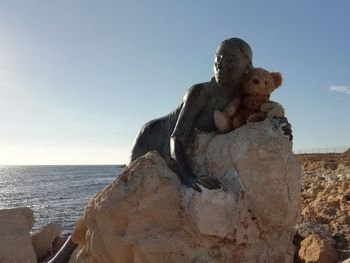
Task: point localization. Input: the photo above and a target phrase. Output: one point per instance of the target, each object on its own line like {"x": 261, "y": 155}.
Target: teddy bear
{"x": 258, "y": 84}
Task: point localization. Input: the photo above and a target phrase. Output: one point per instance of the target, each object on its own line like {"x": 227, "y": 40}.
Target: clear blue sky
{"x": 79, "y": 78}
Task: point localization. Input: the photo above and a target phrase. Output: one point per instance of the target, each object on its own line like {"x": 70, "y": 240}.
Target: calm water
{"x": 55, "y": 193}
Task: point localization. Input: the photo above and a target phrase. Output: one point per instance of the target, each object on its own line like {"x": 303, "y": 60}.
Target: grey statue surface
{"x": 172, "y": 134}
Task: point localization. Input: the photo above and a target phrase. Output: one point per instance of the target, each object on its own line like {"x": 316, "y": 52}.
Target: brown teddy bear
{"x": 258, "y": 84}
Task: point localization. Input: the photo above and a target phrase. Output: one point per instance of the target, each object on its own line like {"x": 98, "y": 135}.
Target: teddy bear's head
{"x": 260, "y": 82}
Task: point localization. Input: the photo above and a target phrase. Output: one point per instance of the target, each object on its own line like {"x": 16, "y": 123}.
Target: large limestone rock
{"x": 146, "y": 215}
{"x": 15, "y": 241}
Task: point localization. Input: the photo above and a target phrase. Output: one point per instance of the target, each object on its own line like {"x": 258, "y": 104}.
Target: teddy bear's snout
{"x": 256, "y": 81}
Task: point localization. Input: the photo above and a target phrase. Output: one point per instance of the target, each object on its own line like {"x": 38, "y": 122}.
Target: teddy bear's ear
{"x": 277, "y": 78}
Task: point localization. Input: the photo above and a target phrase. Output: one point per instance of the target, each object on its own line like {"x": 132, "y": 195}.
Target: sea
{"x": 56, "y": 193}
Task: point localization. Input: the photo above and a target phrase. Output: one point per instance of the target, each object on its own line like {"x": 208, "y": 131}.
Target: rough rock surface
{"x": 326, "y": 199}
{"x": 42, "y": 240}
{"x": 316, "y": 249}
{"x": 146, "y": 215}
{"x": 25, "y": 211}
{"x": 15, "y": 241}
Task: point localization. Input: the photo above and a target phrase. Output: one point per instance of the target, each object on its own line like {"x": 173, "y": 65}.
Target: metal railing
{"x": 334, "y": 149}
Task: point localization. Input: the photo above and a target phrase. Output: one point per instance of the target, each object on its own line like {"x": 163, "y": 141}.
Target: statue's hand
{"x": 286, "y": 127}
{"x": 209, "y": 182}
{"x": 182, "y": 167}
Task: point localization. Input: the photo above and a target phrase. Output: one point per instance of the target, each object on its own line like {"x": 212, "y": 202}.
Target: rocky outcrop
{"x": 15, "y": 241}
{"x": 43, "y": 239}
{"x": 325, "y": 199}
{"x": 146, "y": 215}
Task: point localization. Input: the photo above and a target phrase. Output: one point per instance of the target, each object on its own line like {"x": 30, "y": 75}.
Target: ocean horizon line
{"x": 118, "y": 165}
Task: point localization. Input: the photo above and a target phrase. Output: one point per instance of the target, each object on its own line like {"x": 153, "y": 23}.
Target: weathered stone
{"x": 325, "y": 195}
{"x": 307, "y": 228}
{"x": 43, "y": 238}
{"x": 146, "y": 215}
{"x": 315, "y": 249}
{"x": 15, "y": 242}
{"x": 25, "y": 211}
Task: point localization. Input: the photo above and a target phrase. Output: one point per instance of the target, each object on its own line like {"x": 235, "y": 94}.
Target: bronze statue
{"x": 171, "y": 134}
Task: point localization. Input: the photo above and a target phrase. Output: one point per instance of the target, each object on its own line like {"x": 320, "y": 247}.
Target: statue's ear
{"x": 277, "y": 77}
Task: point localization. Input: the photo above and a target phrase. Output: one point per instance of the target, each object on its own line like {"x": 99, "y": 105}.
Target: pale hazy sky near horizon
{"x": 79, "y": 78}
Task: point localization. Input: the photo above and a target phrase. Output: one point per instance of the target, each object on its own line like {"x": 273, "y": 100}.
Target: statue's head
{"x": 233, "y": 57}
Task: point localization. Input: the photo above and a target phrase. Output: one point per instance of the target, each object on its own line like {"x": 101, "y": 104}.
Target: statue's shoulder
{"x": 203, "y": 85}
{"x": 199, "y": 89}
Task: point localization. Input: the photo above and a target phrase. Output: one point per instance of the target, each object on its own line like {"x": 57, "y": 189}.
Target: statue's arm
{"x": 193, "y": 104}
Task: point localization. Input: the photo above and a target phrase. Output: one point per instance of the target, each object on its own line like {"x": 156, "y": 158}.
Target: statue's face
{"x": 229, "y": 66}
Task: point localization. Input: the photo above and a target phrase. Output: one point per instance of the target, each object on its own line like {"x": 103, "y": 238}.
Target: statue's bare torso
{"x": 195, "y": 112}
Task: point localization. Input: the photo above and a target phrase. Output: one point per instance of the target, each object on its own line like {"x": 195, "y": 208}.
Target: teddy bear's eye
{"x": 256, "y": 81}
{"x": 266, "y": 83}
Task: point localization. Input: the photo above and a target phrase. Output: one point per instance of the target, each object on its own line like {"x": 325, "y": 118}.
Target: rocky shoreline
{"x": 322, "y": 232}
{"x": 19, "y": 244}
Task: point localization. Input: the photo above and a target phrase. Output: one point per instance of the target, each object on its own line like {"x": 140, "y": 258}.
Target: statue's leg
{"x": 154, "y": 136}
